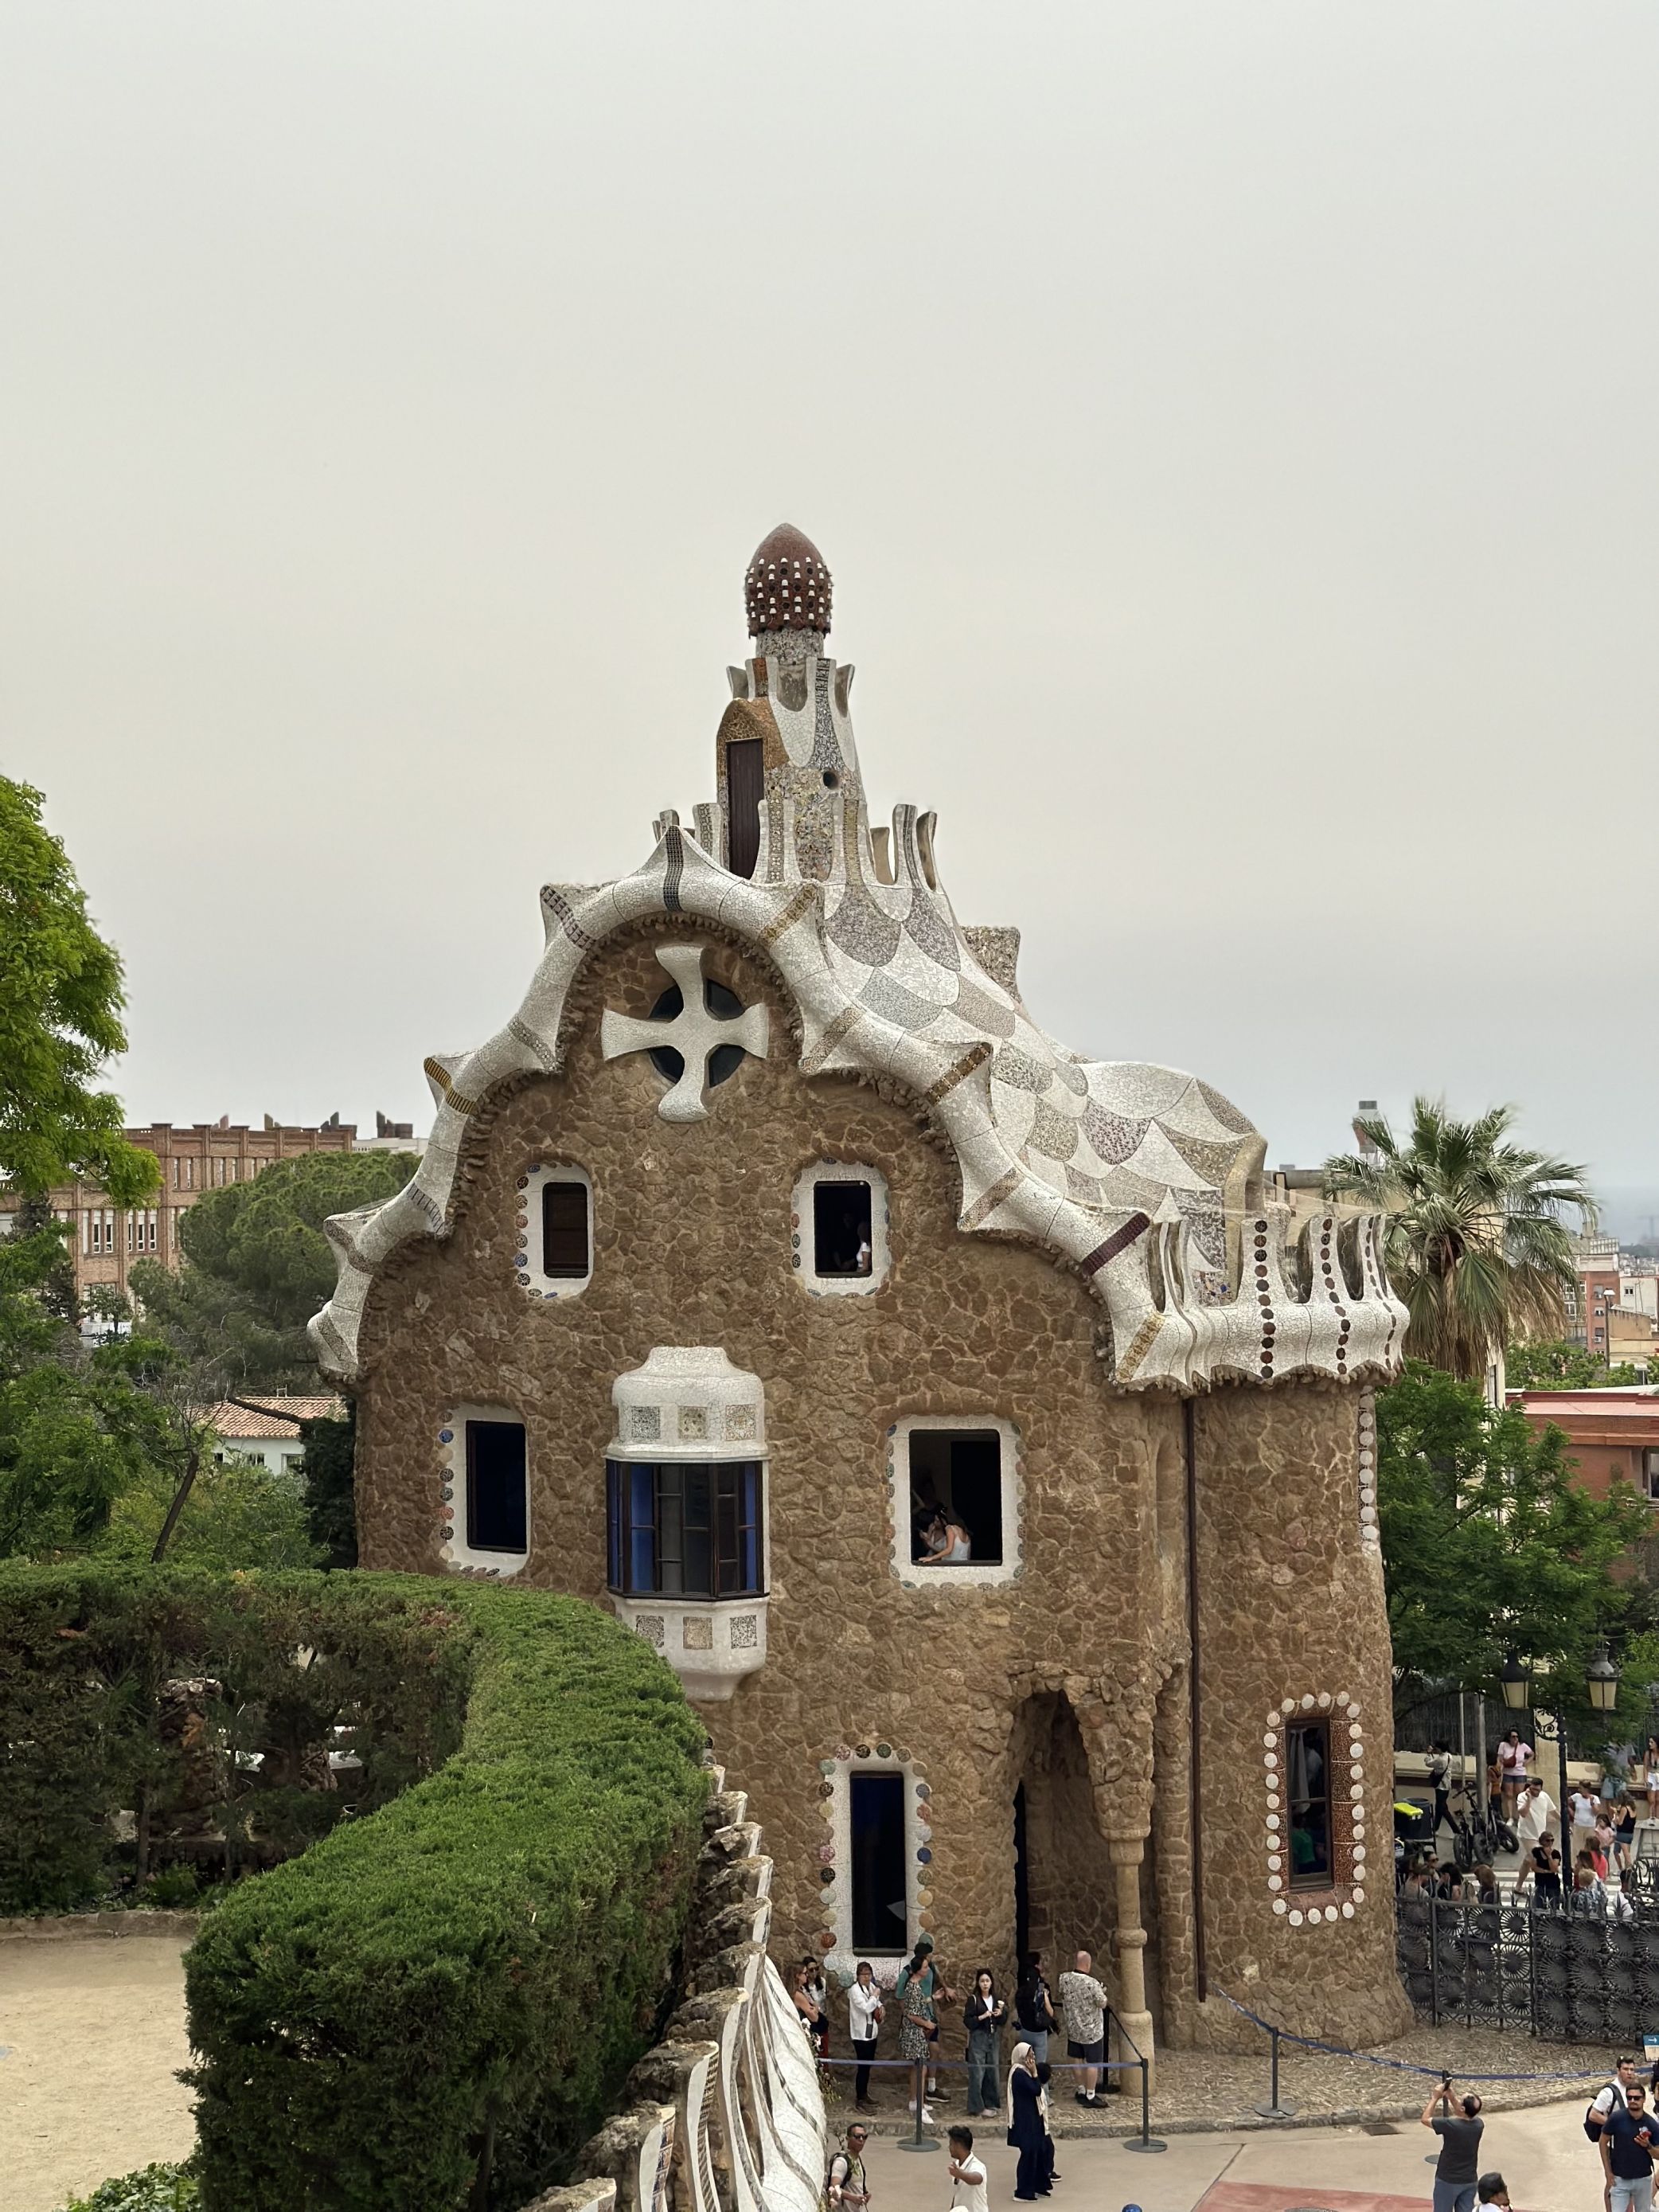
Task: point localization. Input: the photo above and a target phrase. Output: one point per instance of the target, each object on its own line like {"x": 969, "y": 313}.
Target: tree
{"x": 257, "y": 1265}
{"x": 1478, "y": 1246}
{"x": 1563, "y": 1367}
{"x": 60, "y": 1021}
{"x": 326, "y": 1470}
{"x": 75, "y": 1431}
{"x": 1490, "y": 1545}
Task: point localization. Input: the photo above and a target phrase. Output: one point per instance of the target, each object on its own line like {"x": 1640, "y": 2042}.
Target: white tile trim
{"x": 458, "y": 1555}
{"x": 527, "y": 1272}
{"x": 836, "y": 1899}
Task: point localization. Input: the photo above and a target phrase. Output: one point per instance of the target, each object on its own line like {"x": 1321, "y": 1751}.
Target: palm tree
{"x": 1477, "y": 1244}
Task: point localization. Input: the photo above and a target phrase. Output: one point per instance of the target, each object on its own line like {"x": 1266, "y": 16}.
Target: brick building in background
{"x": 205, "y": 1156}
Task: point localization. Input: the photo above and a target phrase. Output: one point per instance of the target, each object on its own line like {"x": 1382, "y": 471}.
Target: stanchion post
{"x": 1146, "y": 2140}
{"x": 1275, "y": 2110}
{"x": 918, "y": 2141}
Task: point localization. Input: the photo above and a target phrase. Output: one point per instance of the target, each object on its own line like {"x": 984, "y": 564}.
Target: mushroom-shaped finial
{"x": 786, "y": 585}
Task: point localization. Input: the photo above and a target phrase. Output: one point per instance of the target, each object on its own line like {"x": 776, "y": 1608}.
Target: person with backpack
{"x": 1628, "y": 2138}
{"x": 1033, "y": 2011}
{"x": 1611, "y": 2095}
{"x": 845, "y": 2183}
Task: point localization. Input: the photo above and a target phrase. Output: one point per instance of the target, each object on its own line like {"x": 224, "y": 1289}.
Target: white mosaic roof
{"x": 1142, "y": 1178}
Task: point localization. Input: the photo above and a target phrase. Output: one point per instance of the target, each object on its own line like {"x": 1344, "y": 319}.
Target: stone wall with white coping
{"x": 724, "y": 2114}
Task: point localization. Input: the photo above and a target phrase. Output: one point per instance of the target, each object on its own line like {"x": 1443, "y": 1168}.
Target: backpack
{"x": 1595, "y": 2121}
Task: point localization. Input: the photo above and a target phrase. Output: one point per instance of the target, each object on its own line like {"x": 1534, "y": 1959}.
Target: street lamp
{"x": 1602, "y": 1679}
{"x": 1516, "y": 1678}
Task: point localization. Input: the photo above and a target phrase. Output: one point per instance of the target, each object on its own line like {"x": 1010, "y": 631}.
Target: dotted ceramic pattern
{"x": 874, "y": 1755}
{"x": 1370, "y": 1537}
{"x": 1346, "y": 1795}
{"x": 977, "y": 1573}
{"x": 1142, "y": 1178}
{"x": 453, "y": 1549}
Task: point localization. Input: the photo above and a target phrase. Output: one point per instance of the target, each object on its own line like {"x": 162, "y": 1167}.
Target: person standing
{"x": 1582, "y": 1805}
{"x": 1628, "y": 2137}
{"x": 1537, "y": 1811}
{"x": 1611, "y": 2096}
{"x": 1513, "y": 1760}
{"x": 918, "y": 1992}
{"x": 1457, "y": 2169}
{"x": 864, "y": 2018}
{"x": 1438, "y": 1765}
{"x": 968, "y": 2175}
{"x": 1542, "y": 1868}
{"x": 982, "y": 2017}
{"x": 1033, "y": 2011}
{"x": 1025, "y": 2117}
{"x": 1083, "y": 2001}
{"x": 845, "y": 2183}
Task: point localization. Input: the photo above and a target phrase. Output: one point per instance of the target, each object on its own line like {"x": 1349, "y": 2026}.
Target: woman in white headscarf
{"x": 1025, "y": 2130}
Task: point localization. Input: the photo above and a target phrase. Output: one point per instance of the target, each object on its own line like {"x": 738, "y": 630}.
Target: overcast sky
{"x": 1232, "y": 428}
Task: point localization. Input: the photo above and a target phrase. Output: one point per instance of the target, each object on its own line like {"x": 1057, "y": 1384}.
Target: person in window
{"x": 982, "y": 2017}
{"x": 865, "y": 1258}
{"x": 948, "y": 1544}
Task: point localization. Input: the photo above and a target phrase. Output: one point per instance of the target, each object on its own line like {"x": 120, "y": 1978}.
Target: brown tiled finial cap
{"x": 785, "y": 584}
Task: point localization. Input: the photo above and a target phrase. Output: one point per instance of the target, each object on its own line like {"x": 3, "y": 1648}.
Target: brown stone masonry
{"x": 1067, "y": 1684}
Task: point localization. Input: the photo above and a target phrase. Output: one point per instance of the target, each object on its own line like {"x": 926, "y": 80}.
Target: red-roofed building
{"x": 267, "y": 1429}
{"x": 1610, "y": 1432}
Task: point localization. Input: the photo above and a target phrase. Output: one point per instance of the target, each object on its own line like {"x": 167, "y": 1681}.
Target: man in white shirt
{"x": 1582, "y": 1804}
{"x": 968, "y": 2178}
{"x": 1537, "y": 1813}
{"x": 1083, "y": 2002}
{"x": 1614, "y": 2094}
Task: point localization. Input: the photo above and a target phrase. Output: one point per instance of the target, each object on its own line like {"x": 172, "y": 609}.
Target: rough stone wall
{"x": 1290, "y": 1606}
{"x": 691, "y": 1228}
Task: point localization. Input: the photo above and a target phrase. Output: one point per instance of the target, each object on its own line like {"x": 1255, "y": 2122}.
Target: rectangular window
{"x": 880, "y": 1862}
{"x": 1308, "y": 1799}
{"x": 685, "y": 1529}
{"x": 497, "y": 1503}
{"x": 956, "y": 1497}
{"x": 1650, "y": 1472}
{"x": 564, "y": 1229}
{"x": 842, "y": 1244}
{"x": 745, "y": 787}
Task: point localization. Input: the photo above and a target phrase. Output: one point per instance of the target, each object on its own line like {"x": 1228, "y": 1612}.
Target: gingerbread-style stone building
{"x": 949, "y": 1410}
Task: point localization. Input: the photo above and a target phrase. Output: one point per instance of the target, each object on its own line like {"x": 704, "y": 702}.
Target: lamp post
{"x": 1514, "y": 1678}
{"x": 1602, "y": 1679}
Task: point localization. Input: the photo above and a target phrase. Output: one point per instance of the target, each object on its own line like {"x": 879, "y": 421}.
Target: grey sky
{"x": 1232, "y": 429}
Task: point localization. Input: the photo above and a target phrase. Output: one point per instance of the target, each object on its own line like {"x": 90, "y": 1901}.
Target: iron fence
{"x": 1564, "y": 1975}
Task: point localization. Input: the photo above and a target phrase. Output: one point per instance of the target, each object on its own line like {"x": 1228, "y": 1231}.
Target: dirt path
{"x": 92, "y": 2029}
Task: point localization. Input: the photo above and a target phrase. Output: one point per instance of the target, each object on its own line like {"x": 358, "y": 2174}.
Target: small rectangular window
{"x": 842, "y": 1244}
{"x": 956, "y": 1497}
{"x": 564, "y": 1229}
{"x": 497, "y": 1501}
{"x": 880, "y": 1862}
{"x": 1308, "y": 1799}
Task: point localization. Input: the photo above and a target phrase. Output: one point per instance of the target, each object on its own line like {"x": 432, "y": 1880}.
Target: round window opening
{"x": 832, "y": 781}
{"x": 725, "y": 1058}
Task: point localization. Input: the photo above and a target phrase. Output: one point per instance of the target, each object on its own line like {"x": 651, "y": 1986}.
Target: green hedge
{"x": 434, "y": 2007}
{"x": 86, "y": 1650}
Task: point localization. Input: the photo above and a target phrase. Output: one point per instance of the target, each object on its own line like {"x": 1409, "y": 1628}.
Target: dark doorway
{"x": 842, "y": 1242}
{"x": 880, "y": 1918}
{"x": 1022, "y": 1881}
{"x": 745, "y": 785}
{"x": 497, "y": 1508}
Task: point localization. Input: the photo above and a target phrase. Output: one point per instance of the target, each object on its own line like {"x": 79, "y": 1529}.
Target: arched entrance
{"x": 1063, "y": 1880}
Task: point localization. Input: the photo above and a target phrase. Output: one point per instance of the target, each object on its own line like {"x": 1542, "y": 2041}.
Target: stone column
{"x": 1125, "y": 1853}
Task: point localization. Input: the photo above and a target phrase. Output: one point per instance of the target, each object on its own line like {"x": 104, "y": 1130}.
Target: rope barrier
{"x": 1397, "y": 2065}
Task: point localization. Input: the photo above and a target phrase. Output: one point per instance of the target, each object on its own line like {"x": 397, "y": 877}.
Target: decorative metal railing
{"x": 1567, "y": 1974}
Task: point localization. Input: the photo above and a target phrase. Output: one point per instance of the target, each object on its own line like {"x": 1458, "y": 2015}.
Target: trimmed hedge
{"x": 436, "y": 2005}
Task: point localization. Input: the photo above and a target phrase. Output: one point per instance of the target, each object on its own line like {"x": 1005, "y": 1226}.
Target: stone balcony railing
{"x": 724, "y": 2114}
